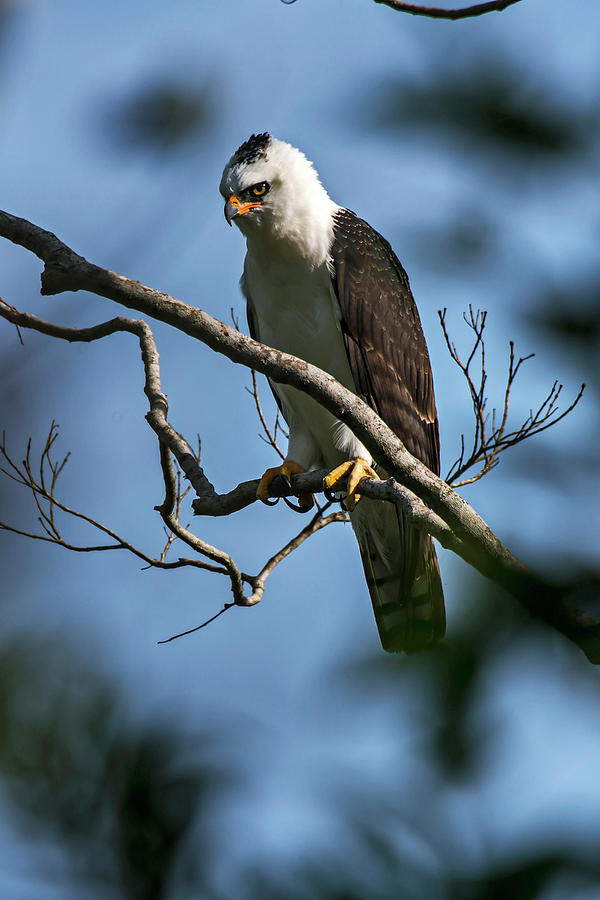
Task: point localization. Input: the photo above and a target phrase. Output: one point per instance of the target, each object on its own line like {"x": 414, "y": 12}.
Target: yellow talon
{"x": 355, "y": 470}
{"x": 287, "y": 468}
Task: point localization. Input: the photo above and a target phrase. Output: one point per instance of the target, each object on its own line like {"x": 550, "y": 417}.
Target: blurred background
{"x": 279, "y": 753}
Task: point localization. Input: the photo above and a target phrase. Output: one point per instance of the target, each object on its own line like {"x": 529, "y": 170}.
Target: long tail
{"x": 403, "y": 578}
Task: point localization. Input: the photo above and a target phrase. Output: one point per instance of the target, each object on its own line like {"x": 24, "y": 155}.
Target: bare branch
{"x": 198, "y": 627}
{"x": 25, "y": 477}
{"x": 169, "y": 441}
{"x": 157, "y": 419}
{"x": 270, "y": 437}
{"x": 317, "y": 522}
{"x": 434, "y": 12}
{"x": 489, "y": 443}
{"x": 474, "y": 541}
{"x": 157, "y": 416}
{"x": 179, "y": 496}
{"x": 257, "y": 582}
{"x": 192, "y": 540}
{"x": 418, "y": 513}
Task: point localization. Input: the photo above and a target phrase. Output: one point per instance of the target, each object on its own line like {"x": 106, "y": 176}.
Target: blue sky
{"x": 304, "y": 73}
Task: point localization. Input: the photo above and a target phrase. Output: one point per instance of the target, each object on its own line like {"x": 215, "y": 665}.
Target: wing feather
{"x": 390, "y": 365}
{"x": 383, "y": 335}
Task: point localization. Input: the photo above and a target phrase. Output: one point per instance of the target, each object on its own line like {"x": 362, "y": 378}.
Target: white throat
{"x": 303, "y": 228}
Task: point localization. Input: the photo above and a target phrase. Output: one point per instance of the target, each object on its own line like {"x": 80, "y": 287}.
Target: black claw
{"x": 281, "y": 483}
{"x": 330, "y": 496}
{"x": 296, "y": 506}
{"x": 271, "y": 501}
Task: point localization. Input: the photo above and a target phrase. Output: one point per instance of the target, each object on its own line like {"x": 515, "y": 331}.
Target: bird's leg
{"x": 287, "y": 468}
{"x": 355, "y": 469}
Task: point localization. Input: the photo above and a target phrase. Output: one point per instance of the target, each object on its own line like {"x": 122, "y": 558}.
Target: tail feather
{"x": 403, "y": 578}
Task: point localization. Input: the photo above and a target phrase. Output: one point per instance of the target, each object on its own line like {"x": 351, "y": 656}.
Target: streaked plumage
{"x": 323, "y": 285}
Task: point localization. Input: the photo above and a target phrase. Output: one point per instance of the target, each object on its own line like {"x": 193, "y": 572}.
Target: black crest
{"x": 254, "y": 147}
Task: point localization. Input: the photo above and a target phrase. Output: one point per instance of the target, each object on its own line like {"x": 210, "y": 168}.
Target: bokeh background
{"x": 278, "y": 753}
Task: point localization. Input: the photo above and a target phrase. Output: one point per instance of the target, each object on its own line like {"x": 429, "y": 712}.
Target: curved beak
{"x": 233, "y": 208}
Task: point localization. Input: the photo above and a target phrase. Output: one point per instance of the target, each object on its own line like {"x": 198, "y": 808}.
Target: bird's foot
{"x": 355, "y": 470}
{"x": 287, "y": 468}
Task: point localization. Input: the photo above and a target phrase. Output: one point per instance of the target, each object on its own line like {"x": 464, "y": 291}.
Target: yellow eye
{"x": 259, "y": 189}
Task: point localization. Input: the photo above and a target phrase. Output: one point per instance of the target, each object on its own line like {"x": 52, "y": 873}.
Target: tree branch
{"x": 168, "y": 438}
{"x": 317, "y": 522}
{"x": 197, "y": 627}
{"x": 157, "y": 416}
{"x": 202, "y": 547}
{"x": 488, "y": 444}
{"x": 434, "y": 12}
{"x": 418, "y": 513}
{"x": 475, "y": 542}
{"x": 24, "y": 476}
{"x": 270, "y": 437}
{"x": 258, "y": 581}
{"x": 66, "y": 270}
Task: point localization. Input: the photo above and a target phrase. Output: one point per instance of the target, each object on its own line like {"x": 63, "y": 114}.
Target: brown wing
{"x": 390, "y": 365}
{"x": 384, "y": 339}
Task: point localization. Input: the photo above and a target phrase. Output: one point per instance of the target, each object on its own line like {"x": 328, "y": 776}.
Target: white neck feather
{"x": 297, "y": 218}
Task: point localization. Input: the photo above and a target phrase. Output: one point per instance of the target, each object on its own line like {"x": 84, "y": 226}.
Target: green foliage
{"x": 569, "y": 313}
{"x": 162, "y": 117}
{"x": 491, "y": 102}
{"x": 117, "y": 796}
{"x": 136, "y": 807}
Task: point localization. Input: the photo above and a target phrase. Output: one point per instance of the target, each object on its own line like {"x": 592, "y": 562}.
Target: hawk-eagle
{"x": 320, "y": 283}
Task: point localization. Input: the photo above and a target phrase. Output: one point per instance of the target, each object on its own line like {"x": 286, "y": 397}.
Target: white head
{"x": 273, "y": 193}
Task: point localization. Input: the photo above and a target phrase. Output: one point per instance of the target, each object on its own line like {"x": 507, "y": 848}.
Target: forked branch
{"x": 43, "y": 485}
{"x": 269, "y": 435}
{"x": 257, "y": 582}
{"x": 491, "y": 437}
{"x": 43, "y": 488}
{"x": 466, "y": 532}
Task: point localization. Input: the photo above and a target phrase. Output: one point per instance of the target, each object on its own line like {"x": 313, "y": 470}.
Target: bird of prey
{"x": 320, "y": 283}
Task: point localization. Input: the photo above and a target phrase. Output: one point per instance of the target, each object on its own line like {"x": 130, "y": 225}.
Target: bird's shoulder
{"x": 366, "y": 272}
{"x": 358, "y": 243}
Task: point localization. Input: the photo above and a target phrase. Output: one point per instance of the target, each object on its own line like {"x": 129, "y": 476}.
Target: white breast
{"x": 295, "y": 310}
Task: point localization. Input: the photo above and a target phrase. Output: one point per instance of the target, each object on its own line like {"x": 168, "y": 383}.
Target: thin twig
{"x": 468, "y": 534}
{"x": 169, "y": 441}
{"x": 317, "y": 522}
{"x": 257, "y": 582}
{"x": 25, "y": 477}
{"x": 198, "y": 627}
{"x": 490, "y": 442}
{"x": 434, "y": 12}
{"x": 171, "y": 536}
{"x": 157, "y": 416}
{"x": 270, "y": 437}
{"x": 224, "y": 560}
